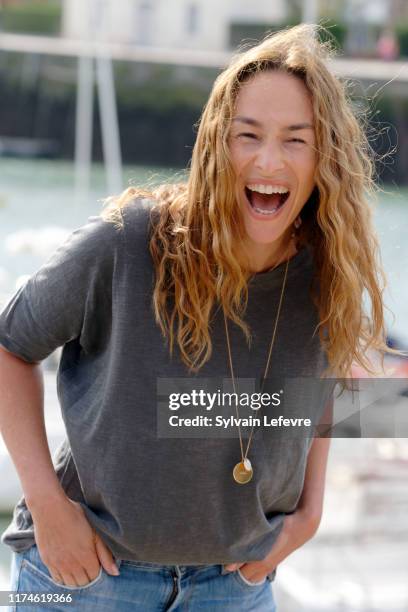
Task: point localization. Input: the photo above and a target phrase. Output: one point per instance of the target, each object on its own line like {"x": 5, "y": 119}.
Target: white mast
{"x": 108, "y": 114}
{"x": 83, "y": 128}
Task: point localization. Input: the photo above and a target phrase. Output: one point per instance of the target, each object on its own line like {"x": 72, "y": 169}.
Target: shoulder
{"x": 123, "y": 223}
{"x": 96, "y": 234}
{"x": 91, "y": 242}
{"x": 137, "y": 217}
{"x": 136, "y": 213}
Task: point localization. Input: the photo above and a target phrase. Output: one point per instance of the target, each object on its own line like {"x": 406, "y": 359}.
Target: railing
{"x": 377, "y": 70}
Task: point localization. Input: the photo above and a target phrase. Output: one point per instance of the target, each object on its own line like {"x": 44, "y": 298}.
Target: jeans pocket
{"x": 247, "y": 583}
{"x": 35, "y": 574}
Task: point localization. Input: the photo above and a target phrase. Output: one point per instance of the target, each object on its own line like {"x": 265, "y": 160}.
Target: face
{"x": 271, "y": 143}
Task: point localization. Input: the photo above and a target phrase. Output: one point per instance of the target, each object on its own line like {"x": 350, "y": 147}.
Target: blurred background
{"x": 97, "y": 95}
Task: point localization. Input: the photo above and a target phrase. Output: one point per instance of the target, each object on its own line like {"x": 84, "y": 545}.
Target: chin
{"x": 264, "y": 233}
{"x": 260, "y": 239}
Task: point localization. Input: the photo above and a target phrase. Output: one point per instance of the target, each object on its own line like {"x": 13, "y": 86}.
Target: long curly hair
{"x": 196, "y": 232}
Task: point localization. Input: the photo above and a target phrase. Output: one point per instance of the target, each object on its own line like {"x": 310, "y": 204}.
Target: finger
{"x": 68, "y": 579}
{"x": 254, "y": 577}
{"x": 232, "y": 567}
{"x": 253, "y": 572}
{"x": 56, "y": 576}
{"x": 105, "y": 556}
{"x": 92, "y": 569}
{"x": 81, "y": 577}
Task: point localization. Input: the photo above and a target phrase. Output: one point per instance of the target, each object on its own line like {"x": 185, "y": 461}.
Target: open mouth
{"x": 266, "y": 204}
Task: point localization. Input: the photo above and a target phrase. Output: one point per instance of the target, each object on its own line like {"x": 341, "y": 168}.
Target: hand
{"x": 68, "y": 545}
{"x": 297, "y": 529}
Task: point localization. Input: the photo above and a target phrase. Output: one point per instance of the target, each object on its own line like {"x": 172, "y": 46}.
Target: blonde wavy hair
{"x": 196, "y": 233}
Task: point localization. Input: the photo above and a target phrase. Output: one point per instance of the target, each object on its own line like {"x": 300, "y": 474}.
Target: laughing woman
{"x": 254, "y": 268}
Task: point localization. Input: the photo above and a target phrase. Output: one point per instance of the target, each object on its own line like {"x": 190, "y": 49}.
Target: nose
{"x": 270, "y": 158}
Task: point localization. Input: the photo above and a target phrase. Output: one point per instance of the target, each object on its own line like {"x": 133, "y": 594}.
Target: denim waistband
{"x": 177, "y": 569}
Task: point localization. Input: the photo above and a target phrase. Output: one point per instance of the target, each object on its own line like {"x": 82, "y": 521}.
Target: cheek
{"x": 240, "y": 156}
{"x": 307, "y": 167}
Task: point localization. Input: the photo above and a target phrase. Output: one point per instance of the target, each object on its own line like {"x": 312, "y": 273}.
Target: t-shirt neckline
{"x": 270, "y": 276}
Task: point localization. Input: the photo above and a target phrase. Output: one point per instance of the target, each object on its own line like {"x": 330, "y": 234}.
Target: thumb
{"x": 231, "y": 567}
{"x": 105, "y": 556}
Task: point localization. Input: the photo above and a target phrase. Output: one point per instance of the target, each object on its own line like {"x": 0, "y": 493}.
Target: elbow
{"x": 312, "y": 518}
{"x": 8, "y": 355}
{"x": 313, "y": 522}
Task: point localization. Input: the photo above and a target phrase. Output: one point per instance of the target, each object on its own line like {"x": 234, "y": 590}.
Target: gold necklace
{"x": 243, "y": 470}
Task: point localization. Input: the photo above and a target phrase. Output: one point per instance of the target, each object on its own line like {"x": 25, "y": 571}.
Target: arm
{"x": 65, "y": 539}
{"x": 302, "y": 525}
{"x": 23, "y": 430}
{"x": 311, "y": 500}
{"x": 59, "y": 303}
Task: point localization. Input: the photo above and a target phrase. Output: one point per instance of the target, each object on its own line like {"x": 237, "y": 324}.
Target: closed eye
{"x": 248, "y": 135}
{"x": 297, "y": 140}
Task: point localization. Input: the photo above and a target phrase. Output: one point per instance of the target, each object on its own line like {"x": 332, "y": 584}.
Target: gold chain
{"x": 244, "y": 473}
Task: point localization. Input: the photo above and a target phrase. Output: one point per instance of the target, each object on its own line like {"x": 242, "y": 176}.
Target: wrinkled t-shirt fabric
{"x": 151, "y": 498}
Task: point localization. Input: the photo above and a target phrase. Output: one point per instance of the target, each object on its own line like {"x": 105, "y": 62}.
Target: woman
{"x": 270, "y": 240}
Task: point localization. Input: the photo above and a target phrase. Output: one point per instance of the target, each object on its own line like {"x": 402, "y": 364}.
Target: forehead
{"x": 276, "y": 96}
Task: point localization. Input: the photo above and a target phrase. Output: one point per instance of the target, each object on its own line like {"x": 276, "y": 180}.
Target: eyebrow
{"x": 291, "y": 128}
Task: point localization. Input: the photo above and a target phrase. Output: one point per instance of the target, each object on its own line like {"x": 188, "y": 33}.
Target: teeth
{"x": 268, "y": 189}
{"x": 265, "y": 212}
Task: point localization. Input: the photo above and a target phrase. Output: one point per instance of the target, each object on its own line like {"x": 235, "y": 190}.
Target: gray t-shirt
{"x": 156, "y": 498}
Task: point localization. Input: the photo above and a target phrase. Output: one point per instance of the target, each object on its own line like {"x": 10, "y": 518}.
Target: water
{"x": 391, "y": 222}
{"x": 38, "y": 193}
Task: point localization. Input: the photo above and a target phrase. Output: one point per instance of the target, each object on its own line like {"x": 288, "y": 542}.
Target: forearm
{"x": 311, "y": 500}
{"x": 23, "y": 429}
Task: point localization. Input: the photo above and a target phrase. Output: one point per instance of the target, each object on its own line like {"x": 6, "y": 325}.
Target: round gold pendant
{"x": 243, "y": 472}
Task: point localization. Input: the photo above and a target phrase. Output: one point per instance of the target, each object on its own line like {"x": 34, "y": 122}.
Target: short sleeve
{"x": 68, "y": 298}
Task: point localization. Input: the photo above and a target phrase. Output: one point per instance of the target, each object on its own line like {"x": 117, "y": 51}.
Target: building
{"x": 190, "y": 24}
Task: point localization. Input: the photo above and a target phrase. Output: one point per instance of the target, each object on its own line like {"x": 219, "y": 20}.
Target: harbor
{"x": 99, "y": 96}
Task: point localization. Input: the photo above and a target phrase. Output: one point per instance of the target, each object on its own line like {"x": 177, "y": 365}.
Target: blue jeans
{"x": 143, "y": 587}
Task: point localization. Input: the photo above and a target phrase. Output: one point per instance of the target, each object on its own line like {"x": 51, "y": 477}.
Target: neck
{"x": 258, "y": 258}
